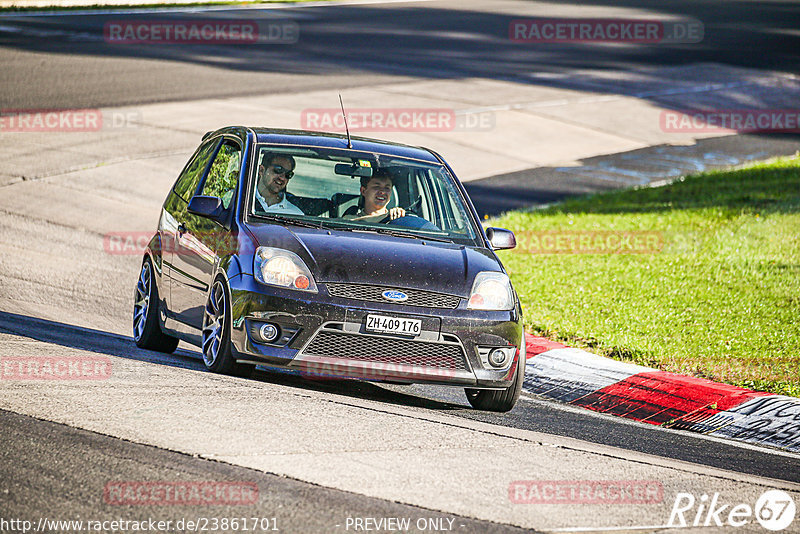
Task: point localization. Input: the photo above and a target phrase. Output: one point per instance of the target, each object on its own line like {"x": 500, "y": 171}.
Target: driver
{"x": 376, "y": 191}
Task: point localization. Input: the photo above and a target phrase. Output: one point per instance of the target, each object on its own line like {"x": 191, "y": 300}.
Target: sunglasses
{"x": 280, "y": 169}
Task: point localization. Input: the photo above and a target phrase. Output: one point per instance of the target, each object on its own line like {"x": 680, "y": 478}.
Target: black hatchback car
{"x": 331, "y": 257}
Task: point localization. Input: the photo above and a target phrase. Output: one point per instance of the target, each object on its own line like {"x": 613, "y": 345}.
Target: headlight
{"x": 491, "y": 291}
{"x": 278, "y": 267}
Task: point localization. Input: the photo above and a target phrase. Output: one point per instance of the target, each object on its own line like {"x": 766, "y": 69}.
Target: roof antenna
{"x": 349, "y": 143}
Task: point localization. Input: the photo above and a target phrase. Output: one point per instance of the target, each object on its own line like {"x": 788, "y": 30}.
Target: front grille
{"x": 416, "y": 297}
{"x": 387, "y": 350}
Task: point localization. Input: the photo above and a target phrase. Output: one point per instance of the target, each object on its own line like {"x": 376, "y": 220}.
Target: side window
{"x": 224, "y": 173}
{"x": 190, "y": 177}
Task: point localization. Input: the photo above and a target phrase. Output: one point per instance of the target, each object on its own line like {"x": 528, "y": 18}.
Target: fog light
{"x": 268, "y": 332}
{"x": 498, "y": 358}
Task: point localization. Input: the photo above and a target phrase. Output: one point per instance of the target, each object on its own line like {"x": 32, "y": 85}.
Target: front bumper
{"x": 325, "y": 335}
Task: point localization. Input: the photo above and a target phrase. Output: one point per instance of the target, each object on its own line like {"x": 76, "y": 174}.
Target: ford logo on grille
{"x": 394, "y": 296}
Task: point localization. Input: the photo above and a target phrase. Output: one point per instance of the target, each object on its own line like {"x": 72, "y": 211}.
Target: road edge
{"x": 574, "y": 376}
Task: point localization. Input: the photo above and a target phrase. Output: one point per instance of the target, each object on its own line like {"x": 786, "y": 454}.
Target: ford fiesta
{"x": 331, "y": 257}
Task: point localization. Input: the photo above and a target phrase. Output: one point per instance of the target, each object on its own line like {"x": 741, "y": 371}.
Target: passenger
{"x": 376, "y": 191}
{"x": 274, "y": 174}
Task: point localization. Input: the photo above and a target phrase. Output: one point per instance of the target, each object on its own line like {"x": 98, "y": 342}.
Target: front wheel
{"x": 499, "y": 400}
{"x": 217, "y": 353}
{"x": 146, "y": 329}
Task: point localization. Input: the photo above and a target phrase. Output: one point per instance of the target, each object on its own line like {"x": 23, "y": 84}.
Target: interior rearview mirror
{"x": 354, "y": 169}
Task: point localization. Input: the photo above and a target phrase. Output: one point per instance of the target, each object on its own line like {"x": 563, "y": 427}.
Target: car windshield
{"x": 352, "y": 190}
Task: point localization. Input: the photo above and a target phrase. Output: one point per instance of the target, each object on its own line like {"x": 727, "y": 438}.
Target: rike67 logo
{"x": 774, "y": 510}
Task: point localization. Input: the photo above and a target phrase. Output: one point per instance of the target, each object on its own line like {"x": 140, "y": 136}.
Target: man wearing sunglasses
{"x": 274, "y": 174}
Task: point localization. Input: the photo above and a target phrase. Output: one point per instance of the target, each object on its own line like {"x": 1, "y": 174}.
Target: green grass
{"x": 720, "y": 300}
{"x": 234, "y": 3}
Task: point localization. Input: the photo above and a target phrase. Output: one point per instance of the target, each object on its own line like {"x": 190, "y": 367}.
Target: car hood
{"x": 370, "y": 258}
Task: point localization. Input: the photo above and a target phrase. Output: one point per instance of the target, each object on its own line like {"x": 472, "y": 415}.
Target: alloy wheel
{"x": 142, "y": 303}
{"x": 213, "y": 323}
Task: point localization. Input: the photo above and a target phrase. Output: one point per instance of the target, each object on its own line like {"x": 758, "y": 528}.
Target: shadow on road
{"x": 538, "y": 416}
{"x": 447, "y": 43}
{"x": 642, "y": 167}
{"x": 110, "y": 344}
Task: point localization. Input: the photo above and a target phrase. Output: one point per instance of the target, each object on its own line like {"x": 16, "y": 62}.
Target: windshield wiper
{"x": 395, "y": 232}
{"x": 399, "y": 233}
{"x": 288, "y": 220}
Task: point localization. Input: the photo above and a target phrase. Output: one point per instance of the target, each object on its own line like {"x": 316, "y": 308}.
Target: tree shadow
{"x": 107, "y": 343}
{"x": 443, "y": 43}
{"x": 645, "y": 168}
{"x": 755, "y": 190}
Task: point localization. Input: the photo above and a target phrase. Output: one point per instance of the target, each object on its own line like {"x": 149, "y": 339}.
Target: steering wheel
{"x": 412, "y": 209}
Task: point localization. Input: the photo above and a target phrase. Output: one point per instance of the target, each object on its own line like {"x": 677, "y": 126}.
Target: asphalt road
{"x": 81, "y": 464}
{"x": 530, "y": 414}
{"x": 60, "y": 472}
{"x": 62, "y": 61}
{"x": 649, "y": 166}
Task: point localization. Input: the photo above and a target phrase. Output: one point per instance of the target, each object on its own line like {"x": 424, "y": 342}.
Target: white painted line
{"x": 201, "y": 9}
{"x": 605, "y": 529}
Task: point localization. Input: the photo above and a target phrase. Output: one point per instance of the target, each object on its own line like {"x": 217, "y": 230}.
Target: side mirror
{"x": 209, "y": 207}
{"x": 500, "y": 238}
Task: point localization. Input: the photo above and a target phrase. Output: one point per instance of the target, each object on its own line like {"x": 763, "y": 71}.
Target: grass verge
{"x": 712, "y": 291}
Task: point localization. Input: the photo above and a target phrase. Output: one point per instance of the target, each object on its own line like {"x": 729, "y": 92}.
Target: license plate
{"x": 394, "y": 325}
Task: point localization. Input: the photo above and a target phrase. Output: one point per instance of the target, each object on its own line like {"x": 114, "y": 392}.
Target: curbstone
{"x": 594, "y": 382}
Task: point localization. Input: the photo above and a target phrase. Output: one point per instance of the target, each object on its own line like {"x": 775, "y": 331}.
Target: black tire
{"x": 216, "y": 345}
{"x": 147, "y": 333}
{"x": 498, "y": 400}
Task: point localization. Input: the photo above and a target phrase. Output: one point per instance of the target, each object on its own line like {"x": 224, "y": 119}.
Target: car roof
{"x": 333, "y": 140}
